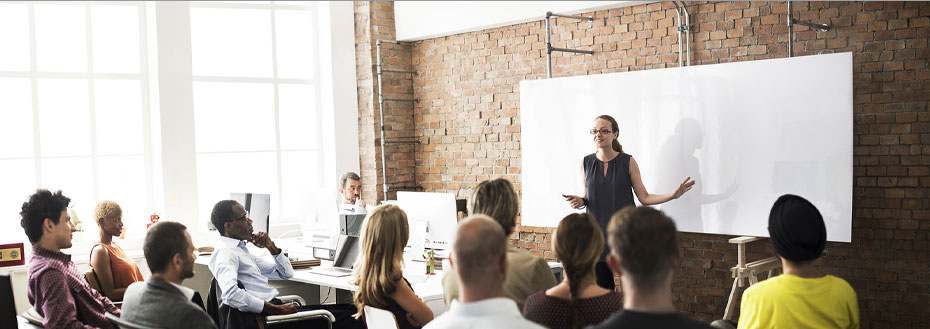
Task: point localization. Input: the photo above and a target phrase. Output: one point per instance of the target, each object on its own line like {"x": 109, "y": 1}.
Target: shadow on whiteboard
{"x": 678, "y": 160}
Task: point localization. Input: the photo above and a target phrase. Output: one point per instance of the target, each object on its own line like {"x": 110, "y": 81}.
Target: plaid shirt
{"x": 60, "y": 294}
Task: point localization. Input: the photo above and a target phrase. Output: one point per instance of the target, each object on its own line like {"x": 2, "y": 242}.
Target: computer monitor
{"x": 346, "y": 251}
{"x": 435, "y": 209}
{"x": 258, "y": 206}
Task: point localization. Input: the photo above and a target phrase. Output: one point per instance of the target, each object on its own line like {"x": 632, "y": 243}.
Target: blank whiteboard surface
{"x": 747, "y": 132}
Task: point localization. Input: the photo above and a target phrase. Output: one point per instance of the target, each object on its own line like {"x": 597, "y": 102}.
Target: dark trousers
{"x": 605, "y": 277}
{"x": 342, "y": 312}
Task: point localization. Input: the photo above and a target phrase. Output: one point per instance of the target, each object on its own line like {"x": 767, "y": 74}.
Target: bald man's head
{"x": 480, "y": 251}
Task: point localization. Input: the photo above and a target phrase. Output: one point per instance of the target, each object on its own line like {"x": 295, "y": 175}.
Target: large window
{"x": 73, "y": 98}
{"x": 255, "y": 86}
{"x": 80, "y": 108}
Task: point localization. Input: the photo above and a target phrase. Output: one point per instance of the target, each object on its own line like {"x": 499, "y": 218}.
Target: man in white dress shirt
{"x": 350, "y": 194}
{"x": 479, "y": 256}
{"x": 232, "y": 263}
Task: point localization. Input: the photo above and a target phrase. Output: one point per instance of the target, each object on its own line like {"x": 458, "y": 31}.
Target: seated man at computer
{"x": 232, "y": 264}
{"x": 350, "y": 192}
{"x": 55, "y": 288}
{"x": 169, "y": 253}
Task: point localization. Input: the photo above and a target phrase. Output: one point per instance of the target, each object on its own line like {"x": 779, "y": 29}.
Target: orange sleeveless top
{"x": 124, "y": 269}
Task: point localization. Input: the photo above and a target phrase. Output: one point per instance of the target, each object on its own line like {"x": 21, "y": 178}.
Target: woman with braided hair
{"x": 577, "y": 301}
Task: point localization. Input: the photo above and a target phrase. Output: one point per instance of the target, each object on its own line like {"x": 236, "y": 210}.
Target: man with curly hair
{"x": 56, "y": 288}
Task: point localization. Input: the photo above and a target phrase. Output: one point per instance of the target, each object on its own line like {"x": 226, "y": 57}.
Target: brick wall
{"x": 468, "y": 123}
{"x": 375, "y": 21}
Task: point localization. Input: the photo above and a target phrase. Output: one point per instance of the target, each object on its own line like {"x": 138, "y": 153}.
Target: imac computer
{"x": 258, "y": 206}
{"x": 434, "y": 211}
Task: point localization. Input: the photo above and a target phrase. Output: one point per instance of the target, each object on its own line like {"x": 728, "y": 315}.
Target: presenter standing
{"x": 610, "y": 179}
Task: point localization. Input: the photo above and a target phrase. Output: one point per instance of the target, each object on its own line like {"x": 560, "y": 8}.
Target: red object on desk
{"x": 12, "y": 254}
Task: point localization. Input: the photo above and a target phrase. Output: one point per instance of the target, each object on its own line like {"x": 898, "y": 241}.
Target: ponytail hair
{"x": 578, "y": 243}
{"x": 615, "y": 127}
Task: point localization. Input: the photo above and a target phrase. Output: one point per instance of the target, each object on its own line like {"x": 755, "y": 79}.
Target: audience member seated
{"x": 232, "y": 264}
{"x": 644, "y": 253}
{"x": 526, "y": 273}
{"x": 577, "y": 301}
{"x": 114, "y": 269}
{"x": 480, "y": 258}
{"x": 55, "y": 288}
{"x": 802, "y": 297}
{"x": 169, "y": 253}
{"x": 350, "y": 193}
{"x": 379, "y": 269}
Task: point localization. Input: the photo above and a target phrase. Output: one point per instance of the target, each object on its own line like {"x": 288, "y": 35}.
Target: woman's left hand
{"x": 684, "y": 187}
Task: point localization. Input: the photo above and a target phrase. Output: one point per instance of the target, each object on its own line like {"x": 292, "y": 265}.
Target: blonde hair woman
{"x": 115, "y": 270}
{"x": 578, "y": 301}
{"x": 380, "y": 266}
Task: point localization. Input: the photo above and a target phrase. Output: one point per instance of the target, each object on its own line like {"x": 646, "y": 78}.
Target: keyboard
{"x": 332, "y": 271}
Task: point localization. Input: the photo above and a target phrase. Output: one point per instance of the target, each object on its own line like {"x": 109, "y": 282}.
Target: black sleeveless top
{"x": 607, "y": 194}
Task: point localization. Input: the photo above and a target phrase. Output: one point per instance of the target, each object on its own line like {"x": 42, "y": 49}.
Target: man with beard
{"x": 161, "y": 301}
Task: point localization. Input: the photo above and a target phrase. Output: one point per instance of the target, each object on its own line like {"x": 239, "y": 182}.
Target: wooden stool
{"x": 744, "y": 270}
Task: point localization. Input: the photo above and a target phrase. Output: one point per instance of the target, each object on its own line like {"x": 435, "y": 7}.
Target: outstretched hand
{"x": 684, "y": 187}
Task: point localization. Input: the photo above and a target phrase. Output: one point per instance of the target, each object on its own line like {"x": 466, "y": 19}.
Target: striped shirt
{"x": 60, "y": 294}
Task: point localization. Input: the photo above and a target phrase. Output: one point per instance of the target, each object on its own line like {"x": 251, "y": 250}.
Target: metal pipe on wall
{"x": 384, "y": 182}
{"x": 548, "y": 48}
{"x": 687, "y": 31}
{"x": 789, "y": 21}
{"x": 680, "y": 49}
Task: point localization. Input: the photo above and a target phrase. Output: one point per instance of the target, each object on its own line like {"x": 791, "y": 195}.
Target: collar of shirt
{"x": 490, "y": 306}
{"x": 230, "y": 242}
{"x": 55, "y": 255}
{"x": 188, "y": 292}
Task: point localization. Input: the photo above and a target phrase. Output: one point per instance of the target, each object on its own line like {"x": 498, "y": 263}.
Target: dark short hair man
{"x": 56, "y": 289}
{"x": 232, "y": 263}
{"x": 644, "y": 253}
{"x": 169, "y": 253}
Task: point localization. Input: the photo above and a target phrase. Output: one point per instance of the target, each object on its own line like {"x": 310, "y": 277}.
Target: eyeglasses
{"x": 602, "y": 131}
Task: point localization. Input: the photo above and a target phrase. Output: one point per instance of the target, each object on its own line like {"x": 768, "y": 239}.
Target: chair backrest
{"x": 123, "y": 324}
{"x": 93, "y": 281}
{"x": 376, "y": 318}
{"x": 7, "y": 305}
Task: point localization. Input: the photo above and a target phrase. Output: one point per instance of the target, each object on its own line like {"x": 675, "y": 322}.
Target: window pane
{"x": 297, "y": 116}
{"x": 231, "y": 42}
{"x": 221, "y": 174}
{"x": 19, "y": 181}
{"x": 294, "y": 35}
{"x": 122, "y": 179}
{"x": 64, "y": 118}
{"x": 118, "y": 111}
{"x": 115, "y": 38}
{"x": 61, "y": 39}
{"x": 73, "y": 177}
{"x": 299, "y": 180}
{"x": 16, "y": 126}
{"x": 14, "y": 36}
{"x": 234, "y": 116}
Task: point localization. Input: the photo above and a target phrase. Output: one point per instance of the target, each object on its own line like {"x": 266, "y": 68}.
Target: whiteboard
{"x": 747, "y": 132}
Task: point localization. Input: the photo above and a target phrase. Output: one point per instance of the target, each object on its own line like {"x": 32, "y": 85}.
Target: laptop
{"x": 7, "y": 306}
{"x": 347, "y": 250}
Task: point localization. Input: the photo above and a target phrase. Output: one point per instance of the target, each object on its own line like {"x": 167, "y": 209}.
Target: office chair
{"x": 93, "y": 281}
{"x": 231, "y": 318}
{"x": 123, "y": 324}
{"x": 376, "y": 318}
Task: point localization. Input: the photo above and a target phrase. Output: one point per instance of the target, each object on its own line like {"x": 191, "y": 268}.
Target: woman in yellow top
{"x": 802, "y": 297}
{"x": 114, "y": 269}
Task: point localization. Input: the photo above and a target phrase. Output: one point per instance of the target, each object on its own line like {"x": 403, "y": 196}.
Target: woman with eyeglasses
{"x": 610, "y": 179}
{"x": 114, "y": 269}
